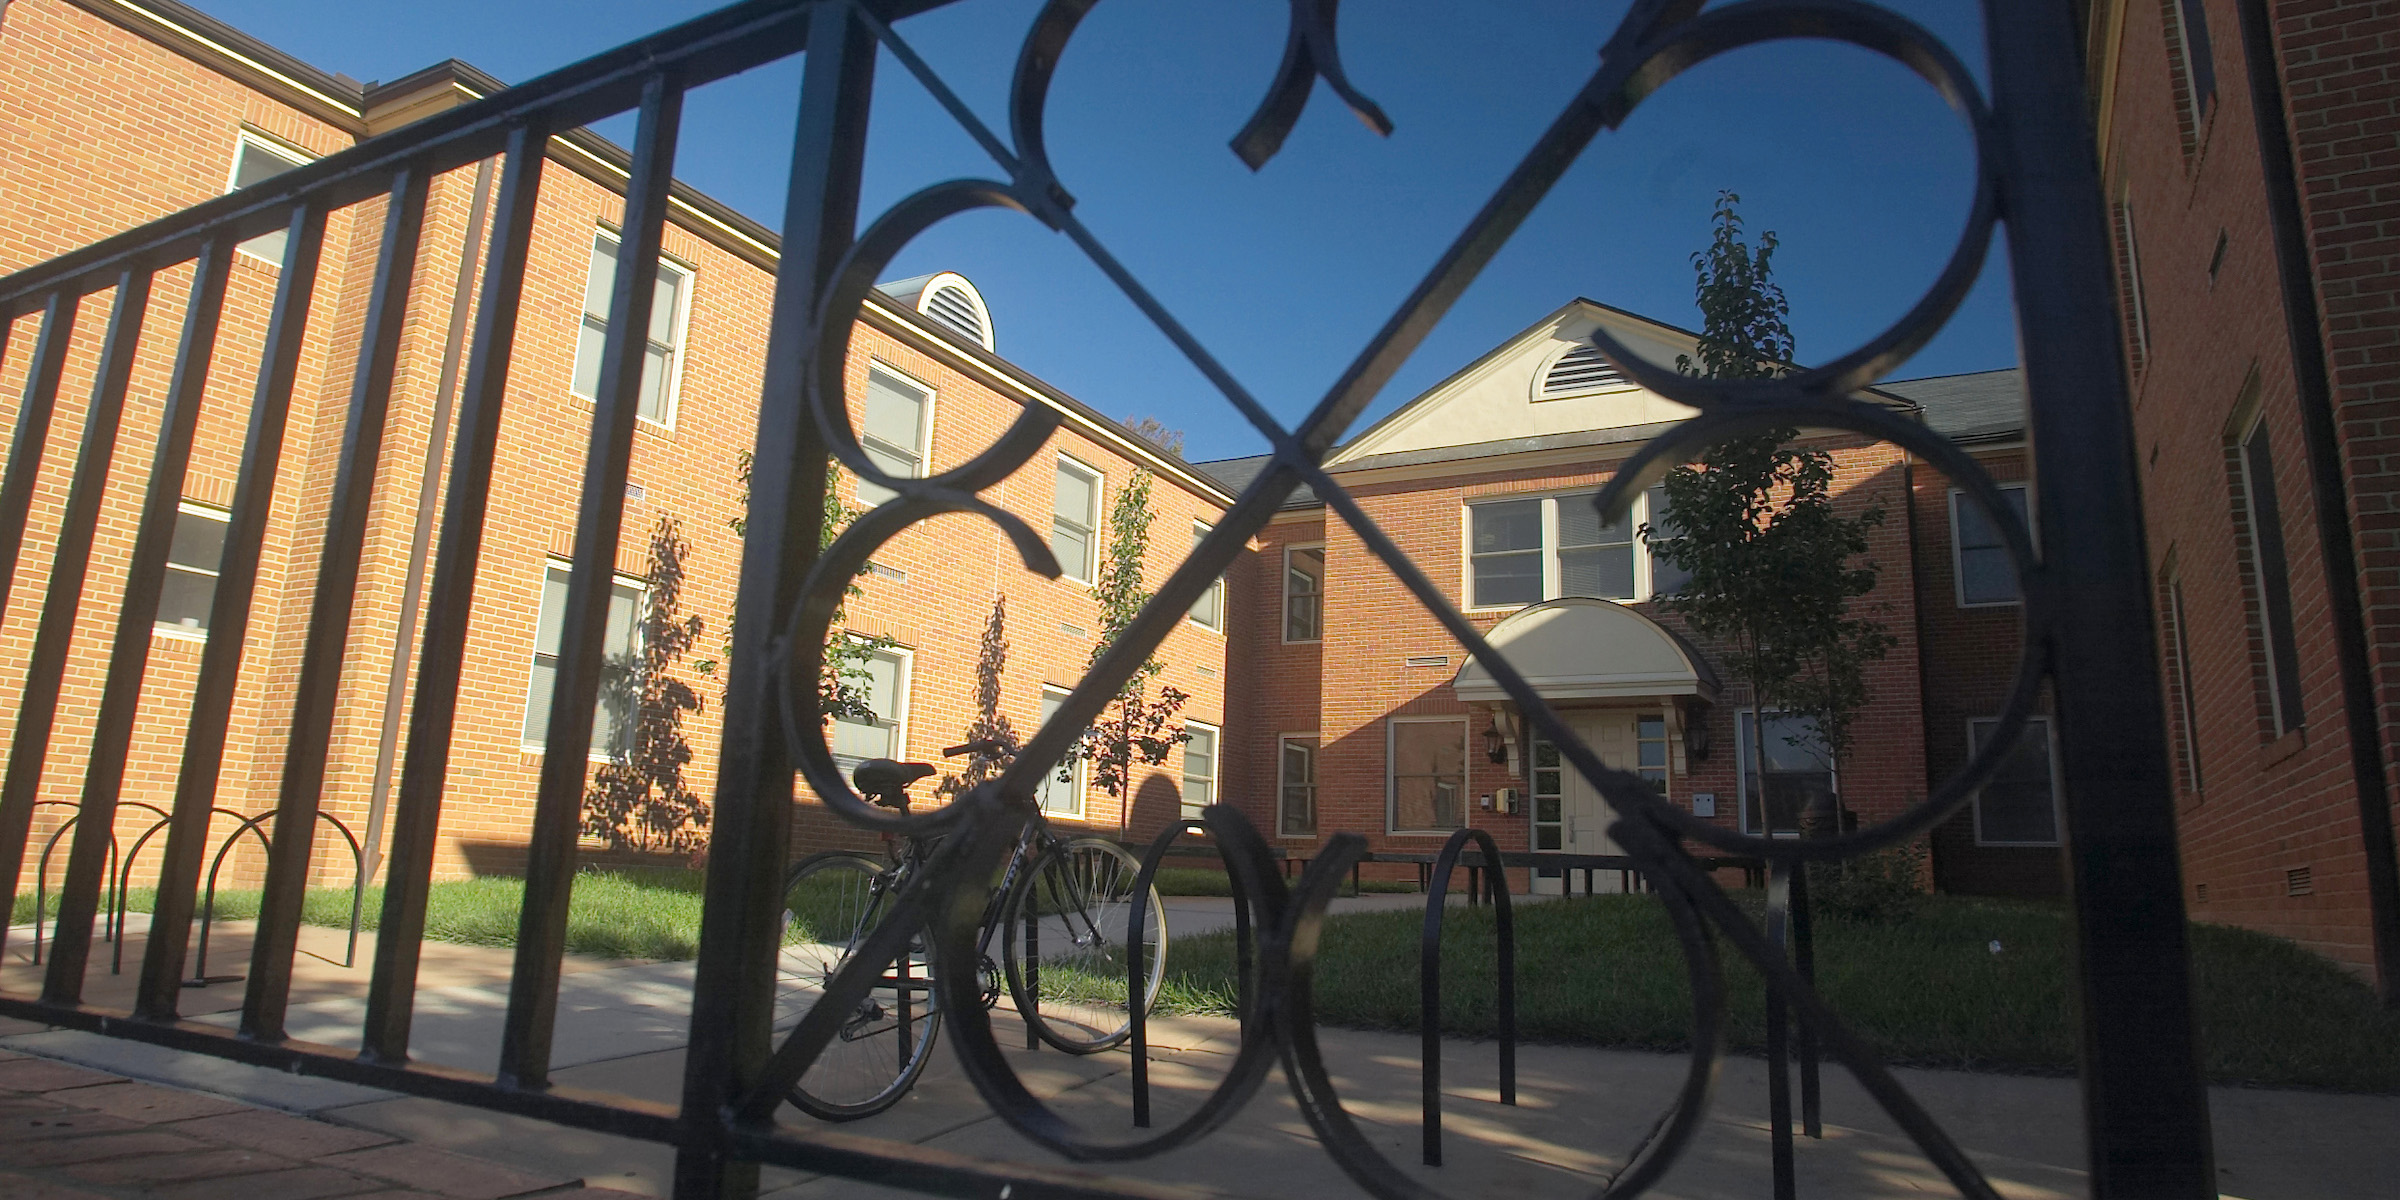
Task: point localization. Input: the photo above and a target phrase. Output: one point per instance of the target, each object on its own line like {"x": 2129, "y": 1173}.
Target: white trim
{"x": 1077, "y": 783}
{"x": 1552, "y": 587}
{"x": 924, "y": 446}
{"x": 178, "y": 633}
{"x": 1958, "y": 573}
{"x": 1091, "y": 563}
{"x": 1315, "y": 784}
{"x": 1391, "y": 780}
{"x": 1216, "y": 587}
{"x": 1284, "y": 606}
{"x": 244, "y": 138}
{"x": 1216, "y": 766}
{"x": 679, "y": 329}
{"x": 2050, "y": 744}
{"x": 641, "y": 589}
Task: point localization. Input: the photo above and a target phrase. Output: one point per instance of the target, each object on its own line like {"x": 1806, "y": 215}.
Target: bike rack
{"x": 1494, "y": 884}
{"x": 113, "y": 911}
{"x": 208, "y": 908}
{"x": 1138, "y": 1013}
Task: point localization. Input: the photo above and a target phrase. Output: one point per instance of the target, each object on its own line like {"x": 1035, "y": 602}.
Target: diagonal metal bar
{"x": 391, "y": 995}
{"x": 237, "y": 582}
{"x": 70, "y": 565}
{"x": 733, "y": 990}
{"x": 315, "y": 698}
{"x": 39, "y": 403}
{"x": 2145, "y": 1100}
{"x": 161, "y": 985}
{"x": 599, "y": 525}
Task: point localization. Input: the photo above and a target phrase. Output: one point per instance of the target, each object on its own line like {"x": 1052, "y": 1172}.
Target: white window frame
{"x": 925, "y": 417}
{"x": 1076, "y": 781}
{"x": 177, "y": 632}
{"x": 2139, "y": 298}
{"x": 233, "y": 171}
{"x": 1391, "y": 778}
{"x": 1741, "y": 775}
{"x": 681, "y": 329}
{"x": 1316, "y": 786}
{"x": 2186, "y": 700}
{"x": 1216, "y": 768}
{"x": 641, "y": 589}
{"x": 903, "y": 679}
{"x": 2058, "y": 815}
{"x": 1286, "y": 603}
{"x": 1091, "y": 563}
{"x": 1216, "y": 587}
{"x": 1644, "y": 574}
{"x": 1958, "y": 572}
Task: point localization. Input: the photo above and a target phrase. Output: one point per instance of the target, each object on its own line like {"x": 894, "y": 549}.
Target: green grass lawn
{"x": 1607, "y": 971}
{"x": 1931, "y": 992}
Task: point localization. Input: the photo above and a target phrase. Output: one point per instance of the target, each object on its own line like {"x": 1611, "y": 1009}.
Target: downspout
{"x": 429, "y": 488}
{"x": 2318, "y": 426}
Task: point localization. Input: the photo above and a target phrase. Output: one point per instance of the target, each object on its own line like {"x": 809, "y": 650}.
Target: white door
{"x": 1583, "y": 817}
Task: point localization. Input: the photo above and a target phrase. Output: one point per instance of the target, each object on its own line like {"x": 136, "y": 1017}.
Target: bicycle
{"x": 1062, "y": 923}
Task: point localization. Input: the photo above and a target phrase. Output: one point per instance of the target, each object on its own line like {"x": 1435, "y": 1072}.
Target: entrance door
{"x": 1573, "y": 818}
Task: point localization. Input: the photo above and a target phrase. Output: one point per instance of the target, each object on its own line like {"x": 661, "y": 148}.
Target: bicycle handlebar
{"x": 979, "y": 746}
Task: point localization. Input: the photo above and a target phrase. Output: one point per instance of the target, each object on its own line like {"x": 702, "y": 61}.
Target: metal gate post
{"x": 733, "y": 993}
{"x": 2145, "y": 1101}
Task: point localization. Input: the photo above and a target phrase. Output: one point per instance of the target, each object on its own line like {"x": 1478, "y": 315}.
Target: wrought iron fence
{"x": 2146, "y": 1118}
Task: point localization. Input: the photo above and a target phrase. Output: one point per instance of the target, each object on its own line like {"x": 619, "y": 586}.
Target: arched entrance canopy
{"x": 1582, "y": 648}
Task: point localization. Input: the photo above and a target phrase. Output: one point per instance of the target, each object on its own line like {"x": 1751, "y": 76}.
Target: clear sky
{"x": 1863, "y": 172}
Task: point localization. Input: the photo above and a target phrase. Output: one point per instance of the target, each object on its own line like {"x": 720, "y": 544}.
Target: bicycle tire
{"x": 832, "y": 901}
{"x": 1081, "y": 891}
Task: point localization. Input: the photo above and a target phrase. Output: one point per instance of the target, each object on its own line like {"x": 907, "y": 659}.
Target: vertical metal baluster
{"x": 330, "y": 609}
{"x": 22, "y": 785}
{"x": 2145, "y": 1101}
{"x": 733, "y": 990}
{"x": 237, "y": 579}
{"x": 416, "y": 822}
{"x": 89, "y": 858}
{"x": 599, "y": 525}
{"x": 1779, "y": 1024}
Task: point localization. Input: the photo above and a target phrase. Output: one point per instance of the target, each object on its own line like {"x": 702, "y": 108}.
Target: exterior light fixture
{"x": 1495, "y": 747}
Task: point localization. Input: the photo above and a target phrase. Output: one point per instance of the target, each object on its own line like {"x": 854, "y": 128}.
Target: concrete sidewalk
{"x": 1581, "y": 1110}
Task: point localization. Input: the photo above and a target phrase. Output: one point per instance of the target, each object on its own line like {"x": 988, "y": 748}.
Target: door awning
{"x": 1581, "y": 648}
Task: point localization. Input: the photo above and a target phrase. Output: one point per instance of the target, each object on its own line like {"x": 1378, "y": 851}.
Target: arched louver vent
{"x": 1579, "y": 370}
{"x": 953, "y": 307}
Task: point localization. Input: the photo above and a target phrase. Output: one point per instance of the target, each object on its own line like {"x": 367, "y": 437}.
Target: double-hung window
{"x": 619, "y": 700}
{"x": 1525, "y": 551}
{"x": 190, "y": 587}
{"x": 1425, "y": 780}
{"x": 2018, "y": 806}
{"x": 1061, "y": 792}
{"x": 1296, "y": 813}
{"x": 2270, "y": 574}
{"x": 662, "y": 352}
{"x": 899, "y": 412}
{"x": 2196, "y": 74}
{"x": 1209, "y": 609}
{"x": 1303, "y": 593}
{"x": 1979, "y": 557}
{"x": 1798, "y": 778}
{"x": 254, "y": 160}
{"x": 882, "y": 733}
{"x": 1075, "y": 521}
{"x": 1199, "y": 767}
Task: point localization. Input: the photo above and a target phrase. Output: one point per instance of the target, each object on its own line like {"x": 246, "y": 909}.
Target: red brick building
{"x": 2252, "y": 156}
{"x": 1324, "y": 697}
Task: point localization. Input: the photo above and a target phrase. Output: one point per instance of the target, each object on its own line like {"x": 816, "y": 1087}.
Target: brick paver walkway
{"x": 67, "y": 1133}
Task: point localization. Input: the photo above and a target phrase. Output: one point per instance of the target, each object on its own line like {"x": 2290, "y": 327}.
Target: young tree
{"x": 640, "y": 799}
{"x": 1155, "y": 432}
{"x": 1773, "y": 568}
{"x": 1137, "y": 728}
{"x": 842, "y": 684}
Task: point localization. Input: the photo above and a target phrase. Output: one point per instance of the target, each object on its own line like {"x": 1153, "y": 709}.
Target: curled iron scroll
{"x": 1659, "y": 40}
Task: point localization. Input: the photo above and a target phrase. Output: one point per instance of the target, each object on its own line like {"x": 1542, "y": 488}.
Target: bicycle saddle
{"x": 886, "y": 782}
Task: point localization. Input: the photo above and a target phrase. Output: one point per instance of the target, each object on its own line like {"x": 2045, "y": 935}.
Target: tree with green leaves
{"x": 1137, "y": 728}
{"x": 1775, "y": 570}
{"x": 842, "y": 683}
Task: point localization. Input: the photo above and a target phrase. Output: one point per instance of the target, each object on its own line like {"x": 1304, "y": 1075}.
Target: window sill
{"x": 168, "y": 633}
{"x": 2279, "y": 751}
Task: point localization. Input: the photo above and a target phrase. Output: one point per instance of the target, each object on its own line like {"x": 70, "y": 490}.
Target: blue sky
{"x": 1285, "y": 274}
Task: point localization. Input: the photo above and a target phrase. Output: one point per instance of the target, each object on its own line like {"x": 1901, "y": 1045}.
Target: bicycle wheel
{"x": 832, "y": 901}
{"x": 1063, "y": 937}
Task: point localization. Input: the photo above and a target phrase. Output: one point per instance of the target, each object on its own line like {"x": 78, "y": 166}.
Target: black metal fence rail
{"x": 2145, "y": 1106}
